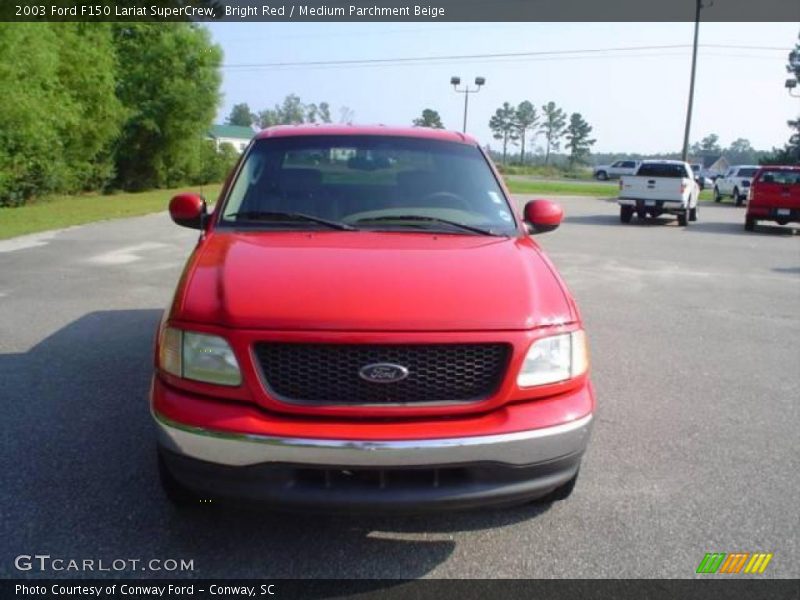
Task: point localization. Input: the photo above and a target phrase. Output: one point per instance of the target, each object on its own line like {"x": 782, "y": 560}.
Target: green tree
{"x": 503, "y": 126}
{"x": 58, "y": 112}
{"x": 525, "y": 120}
{"x": 578, "y": 143}
{"x": 346, "y": 115}
{"x": 292, "y": 110}
{"x": 215, "y": 163}
{"x": 790, "y": 153}
{"x": 241, "y": 115}
{"x": 554, "y": 121}
{"x": 708, "y": 146}
{"x": 324, "y": 112}
{"x": 429, "y": 118}
{"x": 740, "y": 152}
{"x": 169, "y": 80}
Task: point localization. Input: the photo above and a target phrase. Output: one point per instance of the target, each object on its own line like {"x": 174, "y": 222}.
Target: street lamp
{"x": 466, "y": 90}
{"x": 790, "y": 85}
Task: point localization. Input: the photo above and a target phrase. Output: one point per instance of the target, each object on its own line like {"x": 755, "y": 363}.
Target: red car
{"x": 774, "y": 196}
{"x": 366, "y": 323}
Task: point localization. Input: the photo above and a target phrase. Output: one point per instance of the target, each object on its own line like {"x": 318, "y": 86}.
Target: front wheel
{"x": 602, "y": 175}
{"x": 749, "y": 223}
{"x": 693, "y": 214}
{"x": 717, "y": 195}
{"x": 737, "y": 198}
{"x": 177, "y": 494}
{"x": 625, "y": 214}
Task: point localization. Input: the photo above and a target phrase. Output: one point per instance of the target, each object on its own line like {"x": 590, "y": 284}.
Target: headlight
{"x": 553, "y": 359}
{"x": 198, "y": 356}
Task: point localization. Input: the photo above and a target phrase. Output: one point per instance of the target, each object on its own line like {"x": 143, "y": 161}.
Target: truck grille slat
{"x": 329, "y": 373}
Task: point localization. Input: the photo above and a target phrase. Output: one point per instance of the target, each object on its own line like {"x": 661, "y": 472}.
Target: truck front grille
{"x": 330, "y": 373}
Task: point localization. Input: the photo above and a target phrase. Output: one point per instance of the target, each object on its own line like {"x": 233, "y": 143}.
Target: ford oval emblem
{"x": 383, "y": 373}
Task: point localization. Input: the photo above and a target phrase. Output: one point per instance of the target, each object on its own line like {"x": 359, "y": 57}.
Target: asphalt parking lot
{"x": 694, "y": 335}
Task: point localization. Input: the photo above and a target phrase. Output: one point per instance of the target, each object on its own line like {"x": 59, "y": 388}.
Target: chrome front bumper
{"x": 512, "y": 449}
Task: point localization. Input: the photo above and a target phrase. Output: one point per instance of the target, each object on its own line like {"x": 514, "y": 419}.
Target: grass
{"x": 565, "y": 188}
{"x": 55, "y": 212}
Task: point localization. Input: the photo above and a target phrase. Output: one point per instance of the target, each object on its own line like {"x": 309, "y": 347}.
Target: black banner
{"x": 434, "y": 589}
{"x": 399, "y": 10}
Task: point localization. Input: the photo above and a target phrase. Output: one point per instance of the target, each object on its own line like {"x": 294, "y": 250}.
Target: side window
{"x": 617, "y": 164}
{"x": 629, "y": 164}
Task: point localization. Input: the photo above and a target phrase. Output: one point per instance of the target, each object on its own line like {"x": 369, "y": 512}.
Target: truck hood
{"x": 370, "y": 281}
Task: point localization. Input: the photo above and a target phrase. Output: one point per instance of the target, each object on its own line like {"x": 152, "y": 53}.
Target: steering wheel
{"x": 449, "y": 196}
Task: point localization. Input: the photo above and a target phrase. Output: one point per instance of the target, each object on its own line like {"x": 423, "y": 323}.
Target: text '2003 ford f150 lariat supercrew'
{"x": 366, "y": 323}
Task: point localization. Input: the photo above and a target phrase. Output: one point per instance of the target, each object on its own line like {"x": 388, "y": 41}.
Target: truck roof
{"x": 305, "y": 129}
{"x": 665, "y": 161}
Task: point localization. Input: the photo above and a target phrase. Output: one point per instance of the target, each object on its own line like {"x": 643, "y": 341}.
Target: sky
{"x": 635, "y": 100}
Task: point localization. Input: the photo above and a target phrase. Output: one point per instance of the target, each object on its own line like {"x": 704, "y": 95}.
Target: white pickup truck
{"x": 659, "y": 187}
{"x": 735, "y": 183}
{"x": 618, "y": 169}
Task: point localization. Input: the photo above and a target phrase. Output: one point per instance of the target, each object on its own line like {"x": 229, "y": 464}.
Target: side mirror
{"x": 543, "y": 215}
{"x": 188, "y": 210}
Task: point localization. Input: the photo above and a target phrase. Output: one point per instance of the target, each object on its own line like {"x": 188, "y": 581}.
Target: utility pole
{"x": 685, "y": 152}
{"x": 466, "y": 90}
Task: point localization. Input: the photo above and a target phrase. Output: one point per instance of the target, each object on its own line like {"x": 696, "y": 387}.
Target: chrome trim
{"x": 518, "y": 448}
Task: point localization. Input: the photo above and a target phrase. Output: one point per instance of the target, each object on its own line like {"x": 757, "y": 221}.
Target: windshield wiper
{"x": 264, "y": 215}
{"x": 463, "y": 226}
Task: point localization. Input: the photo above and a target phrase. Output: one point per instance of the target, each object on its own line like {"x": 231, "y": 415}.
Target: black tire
{"x": 602, "y": 176}
{"x": 683, "y": 218}
{"x": 749, "y": 224}
{"x": 176, "y": 493}
{"x": 717, "y": 195}
{"x": 625, "y": 214}
{"x": 737, "y": 198}
{"x": 693, "y": 214}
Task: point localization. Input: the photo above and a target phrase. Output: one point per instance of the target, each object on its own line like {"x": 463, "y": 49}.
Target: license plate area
{"x": 783, "y": 212}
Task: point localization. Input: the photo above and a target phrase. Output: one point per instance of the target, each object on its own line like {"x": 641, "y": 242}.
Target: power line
{"x": 459, "y": 57}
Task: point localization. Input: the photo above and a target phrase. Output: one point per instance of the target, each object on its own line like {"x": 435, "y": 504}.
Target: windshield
{"x": 676, "y": 170}
{"x": 781, "y": 177}
{"x": 368, "y": 182}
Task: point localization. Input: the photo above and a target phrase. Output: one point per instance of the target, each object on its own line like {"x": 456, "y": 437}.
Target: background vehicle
{"x": 774, "y": 196}
{"x": 659, "y": 187}
{"x": 735, "y": 183}
{"x": 703, "y": 180}
{"x": 337, "y": 340}
{"x": 616, "y": 170}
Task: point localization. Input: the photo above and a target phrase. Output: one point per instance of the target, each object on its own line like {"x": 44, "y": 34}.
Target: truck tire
{"x": 717, "y": 195}
{"x": 693, "y": 214}
{"x": 177, "y": 494}
{"x": 602, "y": 176}
{"x": 749, "y": 223}
{"x": 625, "y": 214}
{"x": 683, "y": 218}
{"x": 737, "y": 198}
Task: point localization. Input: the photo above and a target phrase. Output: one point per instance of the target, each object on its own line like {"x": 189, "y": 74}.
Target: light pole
{"x": 791, "y": 84}
{"x": 685, "y": 151}
{"x": 466, "y": 90}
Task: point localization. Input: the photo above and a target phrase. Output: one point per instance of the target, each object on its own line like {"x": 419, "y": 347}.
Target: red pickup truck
{"x": 366, "y": 323}
{"x": 774, "y": 196}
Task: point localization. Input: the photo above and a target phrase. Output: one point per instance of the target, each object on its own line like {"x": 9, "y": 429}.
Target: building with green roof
{"x": 235, "y": 135}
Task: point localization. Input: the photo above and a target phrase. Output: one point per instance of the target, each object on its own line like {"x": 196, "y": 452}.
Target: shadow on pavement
{"x": 80, "y": 478}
